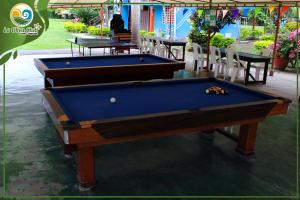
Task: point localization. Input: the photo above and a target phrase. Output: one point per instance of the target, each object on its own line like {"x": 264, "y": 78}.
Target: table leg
{"x": 265, "y": 72}
{"x": 79, "y": 49}
{"x": 195, "y": 65}
{"x": 86, "y": 167}
{"x": 169, "y": 52}
{"x": 72, "y": 49}
{"x": 247, "y": 73}
{"x": 83, "y": 50}
{"x": 183, "y": 53}
{"x": 47, "y": 84}
{"x": 69, "y": 149}
{"x": 246, "y": 139}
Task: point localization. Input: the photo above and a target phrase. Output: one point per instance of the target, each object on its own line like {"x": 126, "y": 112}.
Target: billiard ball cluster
{"x": 216, "y": 90}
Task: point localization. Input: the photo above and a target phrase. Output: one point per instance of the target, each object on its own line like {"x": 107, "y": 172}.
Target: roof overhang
{"x": 176, "y": 3}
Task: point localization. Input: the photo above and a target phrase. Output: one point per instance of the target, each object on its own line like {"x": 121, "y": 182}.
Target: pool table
{"x": 103, "y": 69}
{"x": 86, "y": 116}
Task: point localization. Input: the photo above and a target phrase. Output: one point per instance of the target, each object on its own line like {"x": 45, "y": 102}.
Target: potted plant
{"x": 294, "y": 54}
{"x": 286, "y": 49}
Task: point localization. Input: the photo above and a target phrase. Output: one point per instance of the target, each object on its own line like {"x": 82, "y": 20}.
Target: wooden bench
{"x": 122, "y": 37}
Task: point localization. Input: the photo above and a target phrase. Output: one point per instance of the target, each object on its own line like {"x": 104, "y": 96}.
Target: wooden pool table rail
{"x": 107, "y": 74}
{"x": 82, "y": 137}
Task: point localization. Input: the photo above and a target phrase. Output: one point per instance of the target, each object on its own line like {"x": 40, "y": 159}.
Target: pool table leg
{"x": 86, "y": 167}
{"x": 69, "y": 149}
{"x": 246, "y": 139}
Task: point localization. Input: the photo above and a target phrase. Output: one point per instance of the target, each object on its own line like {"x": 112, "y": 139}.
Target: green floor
{"x": 180, "y": 165}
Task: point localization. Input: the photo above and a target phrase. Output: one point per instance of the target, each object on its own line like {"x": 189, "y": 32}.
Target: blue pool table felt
{"x": 93, "y": 103}
{"x": 60, "y": 63}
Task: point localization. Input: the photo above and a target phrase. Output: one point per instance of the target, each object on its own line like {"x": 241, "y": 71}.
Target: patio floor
{"x": 179, "y": 165}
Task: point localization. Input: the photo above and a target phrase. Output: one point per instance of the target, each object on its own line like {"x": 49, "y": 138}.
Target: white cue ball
{"x": 67, "y": 63}
{"x": 113, "y": 100}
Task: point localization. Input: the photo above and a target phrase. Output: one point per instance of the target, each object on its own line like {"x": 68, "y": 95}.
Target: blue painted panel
{"x": 183, "y": 26}
{"x": 232, "y": 29}
{"x": 158, "y": 19}
{"x": 246, "y": 10}
{"x": 125, "y": 15}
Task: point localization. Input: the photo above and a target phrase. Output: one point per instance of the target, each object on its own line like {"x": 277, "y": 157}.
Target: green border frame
{"x": 163, "y": 197}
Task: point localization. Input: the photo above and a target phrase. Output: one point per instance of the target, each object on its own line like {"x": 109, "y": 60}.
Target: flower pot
{"x": 281, "y": 63}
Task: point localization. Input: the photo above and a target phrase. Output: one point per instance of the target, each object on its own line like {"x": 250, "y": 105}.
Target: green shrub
{"x": 199, "y": 37}
{"x": 245, "y": 33}
{"x": 97, "y": 30}
{"x": 80, "y": 28}
{"x": 151, "y": 34}
{"x": 52, "y": 13}
{"x": 262, "y": 44}
{"x": 217, "y": 40}
{"x": 256, "y": 33}
{"x": 268, "y": 37}
{"x": 227, "y": 41}
{"x": 85, "y": 14}
{"x": 143, "y": 33}
{"x": 284, "y": 30}
{"x": 292, "y": 26}
{"x": 75, "y": 27}
{"x": 68, "y": 26}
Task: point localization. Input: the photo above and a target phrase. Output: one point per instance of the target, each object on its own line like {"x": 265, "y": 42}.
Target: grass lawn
{"x": 250, "y": 27}
{"x": 54, "y": 38}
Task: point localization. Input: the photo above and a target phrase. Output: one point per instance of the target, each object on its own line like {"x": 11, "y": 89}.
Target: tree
{"x": 200, "y": 29}
{"x": 85, "y": 14}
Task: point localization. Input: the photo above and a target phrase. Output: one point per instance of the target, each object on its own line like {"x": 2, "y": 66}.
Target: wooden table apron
{"x": 97, "y": 44}
{"x": 104, "y": 74}
{"x": 169, "y": 44}
{"x": 84, "y": 136}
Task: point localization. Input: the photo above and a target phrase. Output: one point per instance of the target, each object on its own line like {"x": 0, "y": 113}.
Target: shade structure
{"x": 176, "y": 3}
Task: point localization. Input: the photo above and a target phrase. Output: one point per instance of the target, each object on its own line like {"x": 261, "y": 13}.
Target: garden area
{"x": 64, "y": 24}
{"x": 256, "y": 31}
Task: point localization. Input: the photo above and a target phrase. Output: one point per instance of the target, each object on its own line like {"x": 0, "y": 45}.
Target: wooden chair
{"x": 122, "y": 37}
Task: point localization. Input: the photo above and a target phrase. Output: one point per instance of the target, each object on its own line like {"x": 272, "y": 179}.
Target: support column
{"x": 151, "y": 19}
{"x": 208, "y": 40}
{"x": 276, "y": 38}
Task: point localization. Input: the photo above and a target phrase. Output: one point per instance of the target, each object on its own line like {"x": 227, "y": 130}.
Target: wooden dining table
{"x": 250, "y": 59}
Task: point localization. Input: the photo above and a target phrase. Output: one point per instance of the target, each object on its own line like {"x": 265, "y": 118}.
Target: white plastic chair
{"x": 233, "y": 66}
{"x": 160, "y": 49}
{"x": 149, "y": 45}
{"x": 215, "y": 60}
{"x": 198, "y": 57}
{"x": 141, "y": 44}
